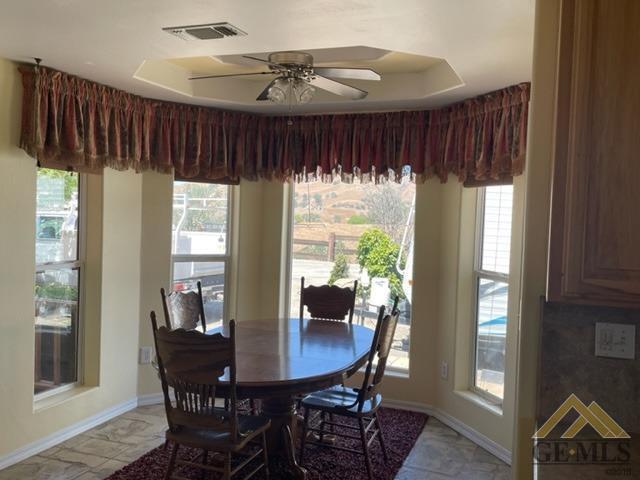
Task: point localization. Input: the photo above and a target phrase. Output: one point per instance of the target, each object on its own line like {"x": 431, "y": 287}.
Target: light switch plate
{"x": 615, "y": 340}
{"x": 145, "y": 355}
{"x": 444, "y": 370}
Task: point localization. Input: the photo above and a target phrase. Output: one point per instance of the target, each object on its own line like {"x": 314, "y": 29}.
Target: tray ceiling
{"x": 486, "y": 44}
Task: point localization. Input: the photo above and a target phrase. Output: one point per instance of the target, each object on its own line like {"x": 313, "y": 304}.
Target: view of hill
{"x": 348, "y": 210}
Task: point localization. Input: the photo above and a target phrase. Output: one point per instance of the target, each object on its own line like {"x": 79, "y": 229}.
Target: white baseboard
{"x": 452, "y": 422}
{"x": 66, "y": 433}
{"x": 150, "y": 399}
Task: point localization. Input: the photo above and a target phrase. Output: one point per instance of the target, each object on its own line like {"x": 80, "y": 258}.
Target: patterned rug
{"x": 401, "y": 430}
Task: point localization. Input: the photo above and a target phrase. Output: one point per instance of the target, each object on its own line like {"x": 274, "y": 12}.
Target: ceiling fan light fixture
{"x": 278, "y": 91}
{"x": 303, "y": 91}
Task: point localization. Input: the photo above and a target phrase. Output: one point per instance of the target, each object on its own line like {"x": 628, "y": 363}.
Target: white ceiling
{"x": 488, "y": 43}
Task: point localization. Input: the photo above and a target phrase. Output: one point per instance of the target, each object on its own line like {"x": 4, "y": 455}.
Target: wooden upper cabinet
{"x": 594, "y": 254}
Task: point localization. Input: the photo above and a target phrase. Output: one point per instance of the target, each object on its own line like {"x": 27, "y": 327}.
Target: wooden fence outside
{"x": 329, "y": 246}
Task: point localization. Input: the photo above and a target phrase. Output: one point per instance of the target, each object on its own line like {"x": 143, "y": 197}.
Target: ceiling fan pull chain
{"x": 290, "y": 95}
{"x": 289, "y": 121}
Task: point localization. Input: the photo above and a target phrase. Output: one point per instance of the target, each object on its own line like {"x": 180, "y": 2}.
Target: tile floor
{"x": 439, "y": 454}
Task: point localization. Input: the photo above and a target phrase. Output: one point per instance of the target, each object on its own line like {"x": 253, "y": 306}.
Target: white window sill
{"x": 480, "y": 401}
{"x": 389, "y": 371}
{"x": 396, "y": 372}
{"x": 57, "y": 398}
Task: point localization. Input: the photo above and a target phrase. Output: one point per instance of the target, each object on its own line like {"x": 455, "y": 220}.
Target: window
{"x": 200, "y": 243}
{"x": 58, "y": 280}
{"x": 491, "y": 284}
{"x": 347, "y": 231}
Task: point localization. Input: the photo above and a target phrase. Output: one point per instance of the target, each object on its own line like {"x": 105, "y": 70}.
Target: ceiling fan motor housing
{"x": 298, "y": 59}
{"x": 297, "y": 64}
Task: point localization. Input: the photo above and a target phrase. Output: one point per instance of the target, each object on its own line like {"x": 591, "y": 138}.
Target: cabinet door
{"x": 595, "y": 223}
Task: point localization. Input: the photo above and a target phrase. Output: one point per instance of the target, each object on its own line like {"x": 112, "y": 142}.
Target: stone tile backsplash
{"x": 568, "y": 363}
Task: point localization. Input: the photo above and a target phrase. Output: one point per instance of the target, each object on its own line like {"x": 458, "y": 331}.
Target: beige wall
{"x": 247, "y": 250}
{"x": 155, "y": 263}
{"x": 536, "y": 228}
{"x": 111, "y": 316}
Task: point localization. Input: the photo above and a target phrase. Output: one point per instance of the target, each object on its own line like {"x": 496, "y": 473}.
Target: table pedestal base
{"x": 281, "y": 435}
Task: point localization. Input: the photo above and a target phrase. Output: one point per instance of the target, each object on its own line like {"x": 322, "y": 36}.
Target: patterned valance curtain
{"x": 71, "y": 123}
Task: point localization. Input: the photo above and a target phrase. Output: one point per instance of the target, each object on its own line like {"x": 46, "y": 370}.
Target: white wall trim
{"x": 460, "y": 427}
{"x": 150, "y": 399}
{"x": 66, "y": 433}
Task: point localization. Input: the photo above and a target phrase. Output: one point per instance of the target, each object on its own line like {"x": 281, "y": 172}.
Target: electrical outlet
{"x": 144, "y": 357}
{"x": 615, "y": 340}
{"x": 444, "y": 370}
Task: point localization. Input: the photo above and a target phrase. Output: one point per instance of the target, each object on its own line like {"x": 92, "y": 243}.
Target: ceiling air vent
{"x": 209, "y": 31}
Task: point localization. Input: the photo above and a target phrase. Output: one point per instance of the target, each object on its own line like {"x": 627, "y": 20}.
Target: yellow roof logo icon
{"x": 592, "y": 415}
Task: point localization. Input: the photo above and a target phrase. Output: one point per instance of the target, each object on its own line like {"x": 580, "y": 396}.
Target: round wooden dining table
{"x": 279, "y": 359}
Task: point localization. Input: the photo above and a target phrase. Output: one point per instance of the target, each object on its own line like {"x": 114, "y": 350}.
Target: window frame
{"x": 288, "y": 284}
{"x": 481, "y": 274}
{"x": 209, "y": 257}
{"x": 78, "y": 264}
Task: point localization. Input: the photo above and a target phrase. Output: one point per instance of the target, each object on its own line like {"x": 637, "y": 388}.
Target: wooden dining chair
{"x": 191, "y": 363}
{"x": 328, "y": 302}
{"x": 361, "y": 404}
{"x": 184, "y": 309}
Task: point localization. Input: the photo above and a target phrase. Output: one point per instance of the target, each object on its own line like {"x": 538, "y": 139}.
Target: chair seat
{"x": 249, "y": 426}
{"x": 341, "y": 400}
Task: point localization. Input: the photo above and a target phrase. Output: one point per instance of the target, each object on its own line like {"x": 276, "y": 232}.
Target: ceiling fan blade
{"x": 231, "y": 75}
{"x": 272, "y": 65}
{"x": 264, "y": 95}
{"x": 354, "y": 73}
{"x": 338, "y": 88}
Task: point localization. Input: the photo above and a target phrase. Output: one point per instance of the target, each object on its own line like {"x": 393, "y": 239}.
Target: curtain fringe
{"x": 72, "y": 122}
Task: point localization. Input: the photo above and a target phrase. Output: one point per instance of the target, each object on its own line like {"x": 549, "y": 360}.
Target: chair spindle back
{"x": 380, "y": 348}
{"x": 328, "y": 302}
{"x": 192, "y": 363}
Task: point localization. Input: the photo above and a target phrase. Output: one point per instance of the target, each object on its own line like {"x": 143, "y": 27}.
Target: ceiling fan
{"x": 297, "y": 78}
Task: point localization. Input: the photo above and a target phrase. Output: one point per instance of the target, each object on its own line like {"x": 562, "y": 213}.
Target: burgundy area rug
{"x": 401, "y": 430}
